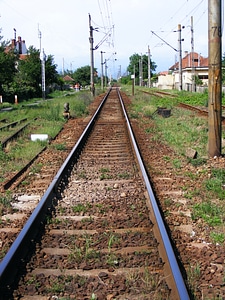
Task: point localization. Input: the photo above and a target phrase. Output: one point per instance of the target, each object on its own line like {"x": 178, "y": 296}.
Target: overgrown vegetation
{"x": 44, "y": 117}
{"x": 181, "y": 130}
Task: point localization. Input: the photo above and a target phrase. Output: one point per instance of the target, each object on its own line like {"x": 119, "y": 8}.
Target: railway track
{"x": 160, "y": 94}
{"x": 100, "y": 239}
{"x": 201, "y": 111}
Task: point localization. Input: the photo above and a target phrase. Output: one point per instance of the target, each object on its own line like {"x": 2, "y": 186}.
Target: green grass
{"x": 216, "y": 183}
{"x": 45, "y": 117}
{"x": 185, "y": 129}
{"x": 209, "y": 212}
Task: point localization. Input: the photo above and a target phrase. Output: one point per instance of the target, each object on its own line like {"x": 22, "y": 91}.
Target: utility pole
{"x": 192, "y": 57}
{"x": 149, "y": 68}
{"x": 133, "y": 81}
{"x": 91, "y": 40}
{"x": 140, "y": 71}
{"x": 63, "y": 66}
{"x": 102, "y": 77}
{"x": 180, "y": 58}
{"x": 42, "y": 57}
{"x": 39, "y": 36}
{"x": 215, "y": 78}
{"x": 106, "y": 80}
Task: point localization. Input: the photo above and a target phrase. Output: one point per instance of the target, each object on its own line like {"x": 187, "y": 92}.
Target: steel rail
{"x": 13, "y": 124}
{"x": 173, "y": 264}
{"x": 20, "y": 247}
{"x": 18, "y": 250}
{"x": 13, "y": 136}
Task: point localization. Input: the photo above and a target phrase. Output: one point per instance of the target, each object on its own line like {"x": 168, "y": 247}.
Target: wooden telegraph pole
{"x": 215, "y": 78}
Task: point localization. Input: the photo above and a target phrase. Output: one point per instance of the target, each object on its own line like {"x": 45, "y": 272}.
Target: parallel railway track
{"x": 104, "y": 235}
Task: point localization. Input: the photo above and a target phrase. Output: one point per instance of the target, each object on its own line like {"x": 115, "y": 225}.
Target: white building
{"x": 196, "y": 66}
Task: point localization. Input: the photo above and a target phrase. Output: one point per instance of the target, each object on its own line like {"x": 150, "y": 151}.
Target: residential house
{"x": 192, "y": 65}
{"x": 19, "y": 46}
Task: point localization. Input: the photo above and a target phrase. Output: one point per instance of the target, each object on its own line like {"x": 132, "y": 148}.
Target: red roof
{"x": 199, "y": 61}
{"x": 68, "y": 78}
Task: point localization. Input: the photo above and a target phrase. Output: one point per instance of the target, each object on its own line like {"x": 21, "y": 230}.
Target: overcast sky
{"x": 124, "y": 27}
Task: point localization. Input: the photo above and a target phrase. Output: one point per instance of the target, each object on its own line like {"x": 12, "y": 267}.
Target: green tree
{"x": 135, "y": 60}
{"x": 82, "y": 75}
{"x": 29, "y": 73}
{"x": 29, "y": 78}
{"x": 51, "y": 74}
{"x": 223, "y": 68}
{"x": 8, "y": 67}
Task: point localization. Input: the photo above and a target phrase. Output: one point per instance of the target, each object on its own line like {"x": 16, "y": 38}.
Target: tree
{"x": 133, "y": 67}
{"x": 29, "y": 73}
{"x": 223, "y": 69}
{"x": 29, "y": 76}
{"x": 7, "y": 66}
{"x": 51, "y": 74}
{"x": 82, "y": 75}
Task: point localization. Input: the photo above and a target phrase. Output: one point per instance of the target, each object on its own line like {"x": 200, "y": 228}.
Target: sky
{"x": 121, "y": 28}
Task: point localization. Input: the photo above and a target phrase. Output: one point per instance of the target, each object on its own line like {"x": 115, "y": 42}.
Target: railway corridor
{"x": 99, "y": 243}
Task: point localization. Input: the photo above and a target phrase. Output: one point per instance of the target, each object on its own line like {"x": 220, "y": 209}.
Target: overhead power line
{"x": 164, "y": 41}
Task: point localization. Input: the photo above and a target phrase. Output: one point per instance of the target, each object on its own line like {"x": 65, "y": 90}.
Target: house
{"x": 19, "y": 46}
{"x": 192, "y": 65}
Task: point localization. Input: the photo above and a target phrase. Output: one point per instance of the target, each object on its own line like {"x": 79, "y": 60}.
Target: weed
{"x": 5, "y": 203}
{"x": 208, "y": 211}
{"x": 112, "y": 260}
{"x": 79, "y": 208}
{"x": 124, "y": 175}
{"x": 36, "y": 168}
{"x": 216, "y": 183}
{"x": 177, "y": 163}
{"x": 150, "y": 279}
{"x": 168, "y": 202}
{"x": 25, "y": 182}
{"x": 93, "y": 297}
{"x": 56, "y": 286}
{"x": 217, "y": 238}
{"x": 60, "y": 147}
{"x": 150, "y": 130}
{"x": 133, "y": 207}
{"x": 82, "y": 175}
{"x": 101, "y": 208}
{"x": 190, "y": 194}
{"x": 197, "y": 161}
{"x": 104, "y": 174}
{"x": 85, "y": 252}
{"x": 62, "y": 210}
{"x": 194, "y": 274}
{"x": 5, "y": 200}
{"x": 166, "y": 158}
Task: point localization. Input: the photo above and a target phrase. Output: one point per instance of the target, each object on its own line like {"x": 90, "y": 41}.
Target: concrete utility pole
{"x": 106, "y": 79}
{"x": 180, "y": 58}
{"x": 215, "y": 78}
{"x": 192, "y": 58}
{"x": 91, "y": 40}
{"x": 140, "y": 71}
{"x": 42, "y": 57}
{"x": 149, "y": 68}
{"x": 102, "y": 77}
{"x": 39, "y": 36}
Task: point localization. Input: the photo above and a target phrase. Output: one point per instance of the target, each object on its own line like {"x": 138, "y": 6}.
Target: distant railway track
{"x": 12, "y": 136}
{"x": 160, "y": 94}
{"x": 200, "y": 111}
{"x": 98, "y": 227}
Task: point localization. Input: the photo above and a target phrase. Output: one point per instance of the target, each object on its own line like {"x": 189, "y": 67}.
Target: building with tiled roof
{"x": 198, "y": 61}
{"x": 192, "y": 65}
{"x": 19, "y": 46}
